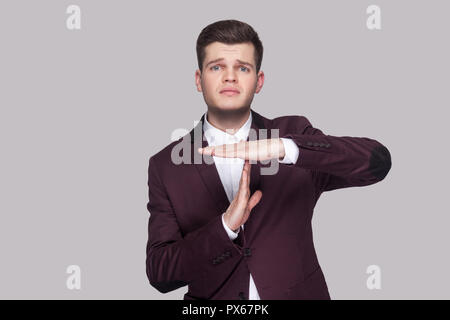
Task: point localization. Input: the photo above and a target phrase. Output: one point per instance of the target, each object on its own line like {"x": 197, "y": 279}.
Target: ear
{"x": 198, "y": 80}
{"x": 259, "y": 82}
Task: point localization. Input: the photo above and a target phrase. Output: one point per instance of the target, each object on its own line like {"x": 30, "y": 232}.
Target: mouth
{"x": 229, "y": 93}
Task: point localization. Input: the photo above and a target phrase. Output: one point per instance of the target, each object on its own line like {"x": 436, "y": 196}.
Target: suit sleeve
{"x": 339, "y": 162}
{"x": 174, "y": 260}
{"x": 291, "y": 151}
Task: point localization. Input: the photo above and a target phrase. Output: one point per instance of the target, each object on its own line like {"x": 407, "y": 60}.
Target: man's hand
{"x": 248, "y": 150}
{"x": 239, "y": 209}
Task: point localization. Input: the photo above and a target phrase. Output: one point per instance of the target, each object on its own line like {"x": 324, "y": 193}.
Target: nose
{"x": 230, "y": 76}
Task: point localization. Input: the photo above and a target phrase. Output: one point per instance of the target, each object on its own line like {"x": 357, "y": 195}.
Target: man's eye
{"x": 244, "y": 68}
{"x": 212, "y": 68}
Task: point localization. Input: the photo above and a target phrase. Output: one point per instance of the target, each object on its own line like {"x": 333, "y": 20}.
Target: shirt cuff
{"x": 231, "y": 234}
{"x": 291, "y": 151}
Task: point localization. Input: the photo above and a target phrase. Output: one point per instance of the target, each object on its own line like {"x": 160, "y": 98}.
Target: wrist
{"x": 281, "y": 150}
{"x": 228, "y": 224}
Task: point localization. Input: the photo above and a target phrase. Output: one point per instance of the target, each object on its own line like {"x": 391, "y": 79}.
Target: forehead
{"x": 242, "y": 51}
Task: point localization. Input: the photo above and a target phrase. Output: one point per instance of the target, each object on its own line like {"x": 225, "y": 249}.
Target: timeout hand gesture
{"x": 261, "y": 150}
{"x": 239, "y": 209}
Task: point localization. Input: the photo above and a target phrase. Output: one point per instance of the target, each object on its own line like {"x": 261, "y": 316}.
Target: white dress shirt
{"x": 230, "y": 169}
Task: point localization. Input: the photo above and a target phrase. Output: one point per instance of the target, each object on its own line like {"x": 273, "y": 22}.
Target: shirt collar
{"x": 216, "y": 136}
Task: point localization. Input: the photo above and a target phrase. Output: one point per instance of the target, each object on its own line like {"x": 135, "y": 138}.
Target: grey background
{"x": 82, "y": 111}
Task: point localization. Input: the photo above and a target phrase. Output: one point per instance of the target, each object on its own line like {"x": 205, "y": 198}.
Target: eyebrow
{"x": 220, "y": 59}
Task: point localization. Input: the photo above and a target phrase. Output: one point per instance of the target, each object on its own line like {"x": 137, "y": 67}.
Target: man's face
{"x": 230, "y": 67}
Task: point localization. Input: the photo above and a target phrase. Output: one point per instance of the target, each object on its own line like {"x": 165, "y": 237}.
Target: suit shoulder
{"x": 299, "y": 123}
{"x": 164, "y": 154}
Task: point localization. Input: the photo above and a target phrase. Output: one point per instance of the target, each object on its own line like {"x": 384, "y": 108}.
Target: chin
{"x": 231, "y": 104}
{"x": 230, "y": 107}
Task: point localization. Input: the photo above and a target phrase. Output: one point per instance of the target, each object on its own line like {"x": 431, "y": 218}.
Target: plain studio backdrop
{"x": 81, "y": 112}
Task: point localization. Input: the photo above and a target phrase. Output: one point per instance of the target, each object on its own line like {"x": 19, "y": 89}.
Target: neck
{"x": 228, "y": 120}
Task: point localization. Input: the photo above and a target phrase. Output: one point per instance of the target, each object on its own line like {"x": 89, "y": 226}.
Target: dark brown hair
{"x": 229, "y": 32}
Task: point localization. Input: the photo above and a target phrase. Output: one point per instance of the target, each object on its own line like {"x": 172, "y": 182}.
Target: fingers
{"x": 224, "y": 151}
{"x": 244, "y": 191}
{"x": 234, "y": 150}
{"x": 245, "y": 177}
{"x": 254, "y": 199}
{"x": 210, "y": 151}
{"x": 244, "y": 182}
{"x": 249, "y": 168}
{"x": 248, "y": 150}
{"x": 242, "y": 204}
{"x": 252, "y": 202}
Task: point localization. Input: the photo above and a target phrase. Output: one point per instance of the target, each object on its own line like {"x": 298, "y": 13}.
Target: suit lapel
{"x": 208, "y": 172}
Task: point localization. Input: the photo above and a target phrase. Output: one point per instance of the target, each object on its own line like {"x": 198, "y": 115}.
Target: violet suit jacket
{"x": 188, "y": 245}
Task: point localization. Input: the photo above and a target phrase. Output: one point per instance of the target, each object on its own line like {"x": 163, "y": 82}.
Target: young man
{"x": 220, "y": 226}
